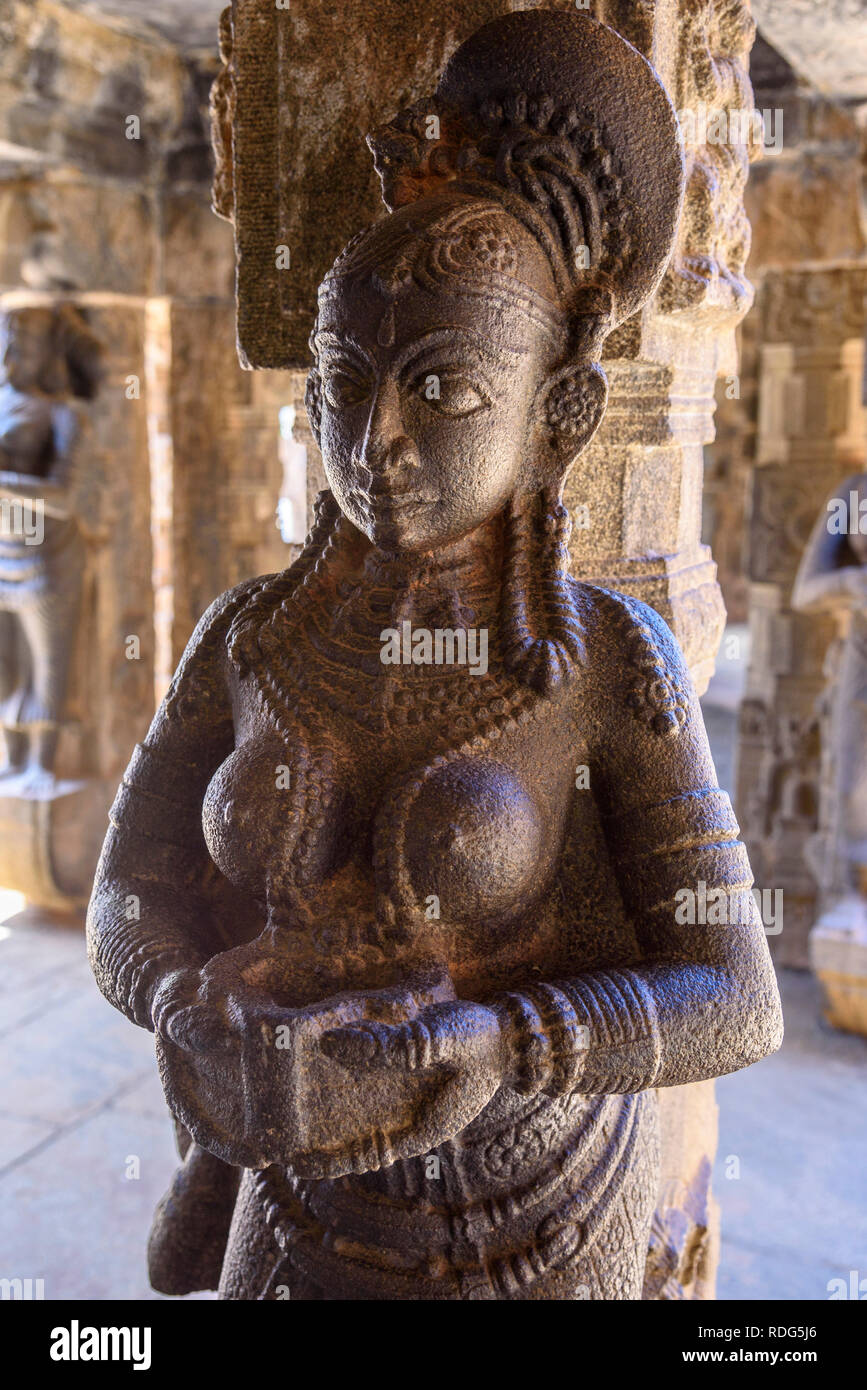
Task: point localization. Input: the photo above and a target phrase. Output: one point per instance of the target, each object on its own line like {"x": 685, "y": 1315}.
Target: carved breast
{"x": 276, "y": 817}
{"x": 475, "y": 838}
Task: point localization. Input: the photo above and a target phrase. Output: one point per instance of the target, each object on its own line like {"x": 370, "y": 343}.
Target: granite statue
{"x": 393, "y": 876}
{"x": 49, "y": 368}
{"x": 832, "y": 581}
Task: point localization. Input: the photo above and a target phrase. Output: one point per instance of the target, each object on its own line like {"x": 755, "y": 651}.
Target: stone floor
{"x": 86, "y": 1147}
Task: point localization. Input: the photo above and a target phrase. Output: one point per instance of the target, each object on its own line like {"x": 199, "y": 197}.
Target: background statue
{"x": 49, "y": 363}
{"x": 408, "y": 933}
{"x": 832, "y": 580}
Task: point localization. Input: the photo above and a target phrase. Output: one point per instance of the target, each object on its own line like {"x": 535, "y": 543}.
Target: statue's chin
{"x": 403, "y": 534}
{"x": 386, "y": 536}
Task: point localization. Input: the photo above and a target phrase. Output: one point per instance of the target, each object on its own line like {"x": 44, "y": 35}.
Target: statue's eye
{"x": 343, "y": 390}
{"x": 451, "y": 393}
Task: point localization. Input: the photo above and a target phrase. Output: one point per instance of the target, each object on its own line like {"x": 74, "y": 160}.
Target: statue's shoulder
{"x": 214, "y": 626}
{"x": 200, "y": 680}
{"x": 633, "y": 657}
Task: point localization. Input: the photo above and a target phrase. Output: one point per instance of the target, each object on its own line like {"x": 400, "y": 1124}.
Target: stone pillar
{"x": 641, "y": 479}
{"x": 640, "y": 484}
{"x": 728, "y": 467}
{"x": 84, "y": 112}
{"x": 50, "y": 833}
{"x": 810, "y": 434}
{"x": 644, "y": 532}
{"x": 215, "y": 467}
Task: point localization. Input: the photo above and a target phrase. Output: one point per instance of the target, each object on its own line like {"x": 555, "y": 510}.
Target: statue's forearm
{"x": 660, "y": 1024}
{"x": 149, "y": 915}
{"x": 32, "y": 485}
{"x": 139, "y": 931}
{"x": 49, "y": 494}
{"x": 832, "y": 589}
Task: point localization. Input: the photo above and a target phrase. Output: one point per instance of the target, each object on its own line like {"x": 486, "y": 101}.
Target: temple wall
{"x": 105, "y": 172}
{"x": 793, "y": 429}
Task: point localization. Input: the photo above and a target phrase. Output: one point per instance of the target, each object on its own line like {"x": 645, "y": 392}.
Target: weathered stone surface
{"x": 832, "y": 582}
{"x": 186, "y": 25}
{"x": 121, "y": 228}
{"x": 311, "y": 150}
{"x": 68, "y": 85}
{"x": 804, "y": 197}
{"x": 49, "y": 529}
{"x": 803, "y": 200}
{"x": 371, "y": 967}
{"x": 63, "y": 231}
{"x": 215, "y": 466}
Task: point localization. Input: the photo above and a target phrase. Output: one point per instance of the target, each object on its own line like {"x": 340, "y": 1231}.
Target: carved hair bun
{"x": 570, "y": 128}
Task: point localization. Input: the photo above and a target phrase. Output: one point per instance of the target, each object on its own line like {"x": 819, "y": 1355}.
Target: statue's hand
{"x": 204, "y": 1010}
{"x": 245, "y": 1071}
{"x": 459, "y": 1045}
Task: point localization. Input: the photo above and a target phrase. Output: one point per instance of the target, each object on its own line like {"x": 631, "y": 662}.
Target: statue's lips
{"x": 384, "y": 506}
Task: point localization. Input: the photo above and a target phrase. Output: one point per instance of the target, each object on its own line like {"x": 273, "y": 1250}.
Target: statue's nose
{"x": 388, "y": 455}
{"x": 393, "y": 465}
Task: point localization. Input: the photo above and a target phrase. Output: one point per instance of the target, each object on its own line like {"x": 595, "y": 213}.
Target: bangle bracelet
{"x": 566, "y": 1034}
{"x": 532, "y": 1050}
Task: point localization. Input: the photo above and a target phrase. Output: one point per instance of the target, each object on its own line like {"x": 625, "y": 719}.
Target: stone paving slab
{"x": 59, "y": 1067}
{"x": 71, "y": 1216}
{"x": 796, "y": 1217}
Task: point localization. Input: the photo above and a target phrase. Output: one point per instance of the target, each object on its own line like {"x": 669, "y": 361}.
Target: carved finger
{"x": 404, "y": 1046}
{"x": 196, "y": 1029}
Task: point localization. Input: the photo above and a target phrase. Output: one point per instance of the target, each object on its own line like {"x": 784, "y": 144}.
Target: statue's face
{"x": 25, "y": 346}
{"x": 426, "y": 437}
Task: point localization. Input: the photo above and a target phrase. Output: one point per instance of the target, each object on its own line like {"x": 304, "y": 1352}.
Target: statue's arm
{"x": 828, "y": 575}
{"x": 152, "y": 913}
{"x": 27, "y": 487}
{"x": 701, "y": 1000}
{"x": 56, "y": 491}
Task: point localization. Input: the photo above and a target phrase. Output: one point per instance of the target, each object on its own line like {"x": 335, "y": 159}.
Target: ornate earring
{"x": 576, "y": 403}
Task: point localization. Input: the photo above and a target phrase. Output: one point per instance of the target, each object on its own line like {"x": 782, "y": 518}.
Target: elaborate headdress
{"x": 554, "y": 119}
{"x": 567, "y": 126}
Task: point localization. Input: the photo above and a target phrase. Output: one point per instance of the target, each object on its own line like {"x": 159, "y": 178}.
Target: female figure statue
{"x": 49, "y": 361}
{"x": 832, "y": 579}
{"x": 406, "y": 930}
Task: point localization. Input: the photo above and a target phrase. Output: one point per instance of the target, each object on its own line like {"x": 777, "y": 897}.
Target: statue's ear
{"x": 313, "y": 402}
{"x": 574, "y": 403}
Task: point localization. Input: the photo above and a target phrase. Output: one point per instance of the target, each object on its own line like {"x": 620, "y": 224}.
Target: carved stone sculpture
{"x": 832, "y": 580}
{"x": 810, "y": 433}
{"x": 49, "y": 363}
{"x": 394, "y": 876}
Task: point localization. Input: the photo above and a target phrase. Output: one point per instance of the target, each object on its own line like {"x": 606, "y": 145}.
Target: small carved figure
{"x": 49, "y": 365}
{"x": 406, "y": 931}
{"x": 832, "y": 579}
